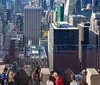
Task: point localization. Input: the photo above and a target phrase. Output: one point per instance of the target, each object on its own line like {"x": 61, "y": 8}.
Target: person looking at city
{"x": 74, "y": 82}
{"x": 36, "y": 76}
{"x": 4, "y": 77}
{"x": 58, "y": 78}
{"x": 49, "y": 81}
{"x": 11, "y": 78}
{"x": 21, "y": 77}
{"x": 53, "y": 79}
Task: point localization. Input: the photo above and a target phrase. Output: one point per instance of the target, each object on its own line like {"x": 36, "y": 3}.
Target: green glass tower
{"x": 60, "y": 12}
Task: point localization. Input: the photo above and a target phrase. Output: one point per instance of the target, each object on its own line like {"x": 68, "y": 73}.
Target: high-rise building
{"x": 84, "y": 44}
{"x": 51, "y": 17}
{"x": 18, "y": 6}
{"x": 9, "y": 14}
{"x": 95, "y": 39}
{"x": 96, "y": 6}
{"x": 77, "y": 9}
{"x": 14, "y": 48}
{"x": 19, "y": 22}
{"x": 1, "y": 42}
{"x": 44, "y": 4}
{"x": 63, "y": 47}
{"x": 51, "y": 4}
{"x": 9, "y": 4}
{"x": 72, "y": 7}
{"x": 85, "y": 2}
{"x": 32, "y": 24}
{"x": 3, "y": 4}
{"x": 76, "y": 19}
{"x": 87, "y": 13}
{"x": 95, "y": 22}
{"x": 60, "y": 12}
{"x": 1, "y": 25}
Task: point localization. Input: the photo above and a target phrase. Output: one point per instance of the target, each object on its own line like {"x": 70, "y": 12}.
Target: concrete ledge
{"x": 93, "y": 77}
{"x": 44, "y": 74}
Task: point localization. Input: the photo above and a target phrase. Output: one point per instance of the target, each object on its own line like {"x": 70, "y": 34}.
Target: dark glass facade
{"x": 65, "y": 49}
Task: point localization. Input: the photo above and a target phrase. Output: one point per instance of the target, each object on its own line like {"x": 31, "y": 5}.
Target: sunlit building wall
{"x": 32, "y": 24}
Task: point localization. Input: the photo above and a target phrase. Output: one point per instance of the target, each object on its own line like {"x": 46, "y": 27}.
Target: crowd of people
{"x": 7, "y": 76}
{"x": 11, "y": 77}
{"x": 56, "y": 79}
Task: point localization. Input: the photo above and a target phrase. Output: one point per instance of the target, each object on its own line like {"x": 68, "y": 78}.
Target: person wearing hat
{"x": 74, "y": 81}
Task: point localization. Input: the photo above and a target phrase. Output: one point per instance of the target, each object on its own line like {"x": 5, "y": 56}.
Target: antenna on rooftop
{"x": 29, "y": 42}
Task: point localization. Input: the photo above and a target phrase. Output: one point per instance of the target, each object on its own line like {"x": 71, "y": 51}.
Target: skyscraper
{"x": 77, "y": 9}
{"x": 60, "y": 12}
{"x": 96, "y": 5}
{"x": 72, "y": 7}
{"x": 1, "y": 42}
{"x": 87, "y": 13}
{"x": 69, "y": 8}
{"x": 9, "y": 4}
{"x": 85, "y": 2}
{"x": 4, "y": 3}
{"x": 32, "y": 24}
{"x": 76, "y": 19}
{"x": 51, "y": 4}
{"x": 18, "y": 6}
{"x": 83, "y": 44}
{"x": 63, "y": 47}
{"x": 44, "y": 5}
{"x": 14, "y": 48}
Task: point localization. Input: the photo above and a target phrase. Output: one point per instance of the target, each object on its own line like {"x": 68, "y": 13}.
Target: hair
{"x": 55, "y": 74}
{"x": 73, "y": 77}
{"x": 5, "y": 69}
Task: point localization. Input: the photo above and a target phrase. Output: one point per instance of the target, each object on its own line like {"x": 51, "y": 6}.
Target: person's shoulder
{"x": 71, "y": 83}
{"x": 59, "y": 77}
{"x": 78, "y": 83}
{"x": 49, "y": 81}
{"x": 75, "y": 83}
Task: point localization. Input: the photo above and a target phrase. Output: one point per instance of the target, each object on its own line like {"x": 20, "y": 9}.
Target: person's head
{"x": 38, "y": 68}
{"x": 73, "y": 77}
{"x": 55, "y": 75}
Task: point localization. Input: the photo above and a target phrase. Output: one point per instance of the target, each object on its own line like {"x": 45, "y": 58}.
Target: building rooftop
{"x": 84, "y": 24}
{"x": 35, "y": 51}
{"x": 32, "y": 7}
{"x": 63, "y": 26}
{"x": 92, "y": 71}
{"x": 96, "y": 15}
{"x": 15, "y": 38}
{"x": 78, "y": 16}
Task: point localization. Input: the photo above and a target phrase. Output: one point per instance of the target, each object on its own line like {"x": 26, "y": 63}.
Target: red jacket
{"x": 59, "y": 81}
